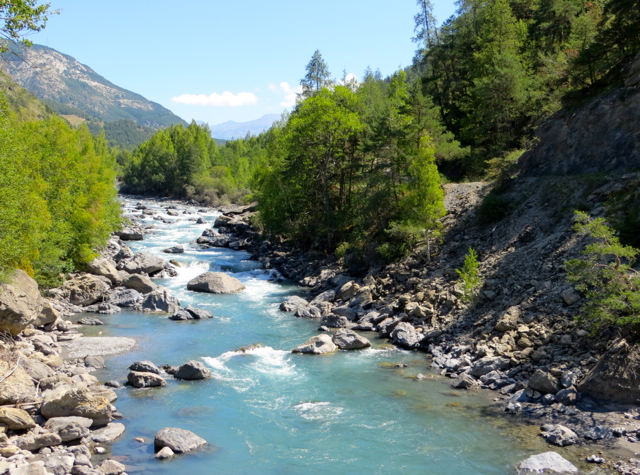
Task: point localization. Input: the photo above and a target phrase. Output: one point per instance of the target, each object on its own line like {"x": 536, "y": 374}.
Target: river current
{"x": 273, "y": 412}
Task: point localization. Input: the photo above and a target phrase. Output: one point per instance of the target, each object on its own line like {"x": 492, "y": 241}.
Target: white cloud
{"x": 349, "y": 79}
{"x": 273, "y": 87}
{"x": 285, "y": 87}
{"x": 217, "y": 100}
{"x": 290, "y": 100}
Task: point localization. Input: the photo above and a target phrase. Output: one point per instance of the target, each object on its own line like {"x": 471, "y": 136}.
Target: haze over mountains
{"x": 68, "y": 86}
{"x": 238, "y": 130}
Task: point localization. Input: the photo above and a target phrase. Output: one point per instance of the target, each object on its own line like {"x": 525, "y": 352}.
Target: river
{"x": 273, "y": 412}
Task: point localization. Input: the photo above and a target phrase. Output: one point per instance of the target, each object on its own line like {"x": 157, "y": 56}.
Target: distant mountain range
{"x": 72, "y": 88}
{"x": 238, "y": 130}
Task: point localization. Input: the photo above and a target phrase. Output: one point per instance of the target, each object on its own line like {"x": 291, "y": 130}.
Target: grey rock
{"x": 181, "y": 315}
{"x": 345, "y": 311}
{"x": 328, "y": 296}
{"x": 123, "y": 297}
{"x": 90, "y": 321}
{"x": 94, "y": 361}
{"x": 548, "y": 462}
{"x": 16, "y": 419}
{"x": 85, "y": 289}
{"x": 104, "y": 267}
{"x": 108, "y": 434}
{"x": 570, "y": 296}
{"x": 144, "y": 367}
{"x": 36, "y": 369}
{"x": 69, "y": 428}
{"x": 140, "y": 283}
{"x": 317, "y": 345}
{"x": 215, "y": 283}
{"x": 559, "y": 435}
{"x": 334, "y": 321}
{"x": 178, "y": 440}
{"x": 129, "y": 234}
{"x": 20, "y": 303}
{"x": 308, "y": 312}
{"x": 293, "y": 303}
{"x": 33, "y": 468}
{"x": 405, "y": 336}
{"x": 165, "y": 454}
{"x": 487, "y": 364}
{"x": 568, "y": 396}
{"x": 139, "y": 379}
{"x": 598, "y": 432}
{"x": 569, "y": 378}
{"x": 159, "y": 300}
{"x": 464, "y": 381}
{"x": 59, "y": 464}
{"x": 544, "y": 382}
{"x": 198, "y": 313}
{"x": 174, "y": 250}
{"x": 350, "y": 340}
{"x": 192, "y": 370}
{"x": 33, "y": 442}
{"x": 62, "y": 402}
{"x": 146, "y": 263}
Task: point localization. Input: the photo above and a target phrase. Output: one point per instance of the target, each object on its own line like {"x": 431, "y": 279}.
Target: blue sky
{"x": 225, "y": 60}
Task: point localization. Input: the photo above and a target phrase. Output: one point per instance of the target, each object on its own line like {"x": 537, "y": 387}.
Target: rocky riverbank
{"x": 519, "y": 338}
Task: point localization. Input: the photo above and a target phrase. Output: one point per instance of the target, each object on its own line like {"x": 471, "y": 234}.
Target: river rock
{"x": 144, "y": 367}
{"x": 308, "y": 312}
{"x": 615, "y": 378}
{"x": 568, "y": 396}
{"x": 192, "y": 370}
{"x": 145, "y": 380}
{"x": 464, "y": 381}
{"x": 165, "y": 453}
{"x": 559, "y": 435}
{"x": 33, "y": 442}
{"x": 129, "y": 234}
{"x": 108, "y": 434}
{"x": 18, "y": 387}
{"x": 16, "y": 419}
{"x": 334, "y": 321}
{"x": 144, "y": 262}
{"x": 140, "y": 283}
{"x": 62, "y": 402}
{"x": 85, "y": 289}
{"x": 126, "y": 297}
{"x": 544, "y": 382}
{"x": 181, "y": 315}
{"x": 293, "y": 303}
{"x": 350, "y": 340}
{"x": 328, "y": 296}
{"x": 508, "y": 321}
{"x": 36, "y": 369}
{"x": 59, "y": 464}
{"x": 112, "y": 467}
{"x": 94, "y": 361}
{"x": 159, "y": 300}
{"x": 548, "y": 462}
{"x": 90, "y": 321}
{"x": 178, "y": 440}
{"x": 348, "y": 291}
{"x": 198, "y": 313}
{"x": 405, "y": 336}
{"x": 20, "y": 303}
{"x": 215, "y": 283}
{"x": 487, "y": 364}
{"x": 317, "y": 345}
{"x": 104, "y": 267}
{"x": 174, "y": 250}
{"x": 47, "y": 316}
{"x": 69, "y": 428}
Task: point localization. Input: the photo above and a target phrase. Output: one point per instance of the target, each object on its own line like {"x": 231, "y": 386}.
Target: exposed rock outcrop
{"x": 20, "y": 303}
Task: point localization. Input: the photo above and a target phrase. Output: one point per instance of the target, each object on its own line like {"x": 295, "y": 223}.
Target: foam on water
{"x": 313, "y": 411}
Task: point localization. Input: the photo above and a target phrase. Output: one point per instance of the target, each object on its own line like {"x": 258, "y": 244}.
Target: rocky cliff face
{"x": 54, "y": 76}
{"x": 602, "y": 136}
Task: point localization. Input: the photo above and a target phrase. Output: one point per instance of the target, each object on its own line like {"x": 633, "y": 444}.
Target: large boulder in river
{"x": 548, "y": 462}
{"x": 293, "y": 303}
{"x": 192, "y": 370}
{"x": 616, "y": 377}
{"x": 350, "y": 340}
{"x": 141, "y": 283}
{"x": 85, "y": 289}
{"x": 123, "y": 297}
{"x": 160, "y": 300}
{"x": 317, "y": 345}
{"x": 129, "y": 234}
{"x": 144, "y": 262}
{"x": 215, "y": 283}
{"x": 145, "y": 380}
{"x": 64, "y": 401}
{"x": 104, "y": 267}
{"x": 405, "y": 336}
{"x": 20, "y": 303}
{"x": 179, "y": 440}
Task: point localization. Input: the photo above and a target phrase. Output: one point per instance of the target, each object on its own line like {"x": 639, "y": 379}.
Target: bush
{"x": 470, "y": 276}
{"x": 494, "y": 208}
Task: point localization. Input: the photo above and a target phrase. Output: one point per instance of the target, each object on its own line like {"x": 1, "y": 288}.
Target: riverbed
{"x": 268, "y": 411}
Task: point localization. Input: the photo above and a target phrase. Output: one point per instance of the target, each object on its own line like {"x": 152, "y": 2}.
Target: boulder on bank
{"x": 129, "y": 234}
{"x": 215, "y": 283}
{"x": 159, "y": 300}
{"x": 293, "y": 303}
{"x": 405, "y": 336}
{"x": 20, "y": 303}
{"x": 48, "y": 315}
{"x": 124, "y": 297}
{"x": 317, "y": 345}
{"x": 559, "y": 435}
{"x": 350, "y": 340}
{"x": 140, "y": 283}
{"x": 146, "y": 263}
{"x": 192, "y": 370}
{"x": 69, "y": 428}
{"x": 65, "y": 401}
{"x": 85, "y": 289}
{"x": 178, "y": 440}
{"x": 487, "y": 364}
{"x": 18, "y": 387}
{"x": 544, "y": 382}
{"x": 16, "y": 419}
{"x": 104, "y": 267}
{"x": 548, "y": 462}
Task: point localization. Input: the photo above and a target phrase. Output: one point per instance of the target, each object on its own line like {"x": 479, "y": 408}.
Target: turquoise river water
{"x": 273, "y": 412}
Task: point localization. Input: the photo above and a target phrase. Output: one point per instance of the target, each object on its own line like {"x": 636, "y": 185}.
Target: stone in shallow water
{"x": 178, "y": 440}
{"x": 317, "y": 345}
{"x": 215, "y": 283}
{"x": 192, "y": 370}
{"x": 350, "y": 340}
{"x": 548, "y": 462}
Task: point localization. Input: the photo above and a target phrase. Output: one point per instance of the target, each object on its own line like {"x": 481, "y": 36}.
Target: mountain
{"x": 238, "y": 130}
{"x": 64, "y": 84}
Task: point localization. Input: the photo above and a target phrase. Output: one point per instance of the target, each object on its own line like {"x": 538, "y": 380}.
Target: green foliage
{"x": 494, "y": 208}
{"x": 317, "y": 77}
{"x": 20, "y": 18}
{"x": 57, "y": 196}
{"x": 605, "y": 275}
{"x": 470, "y": 276}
